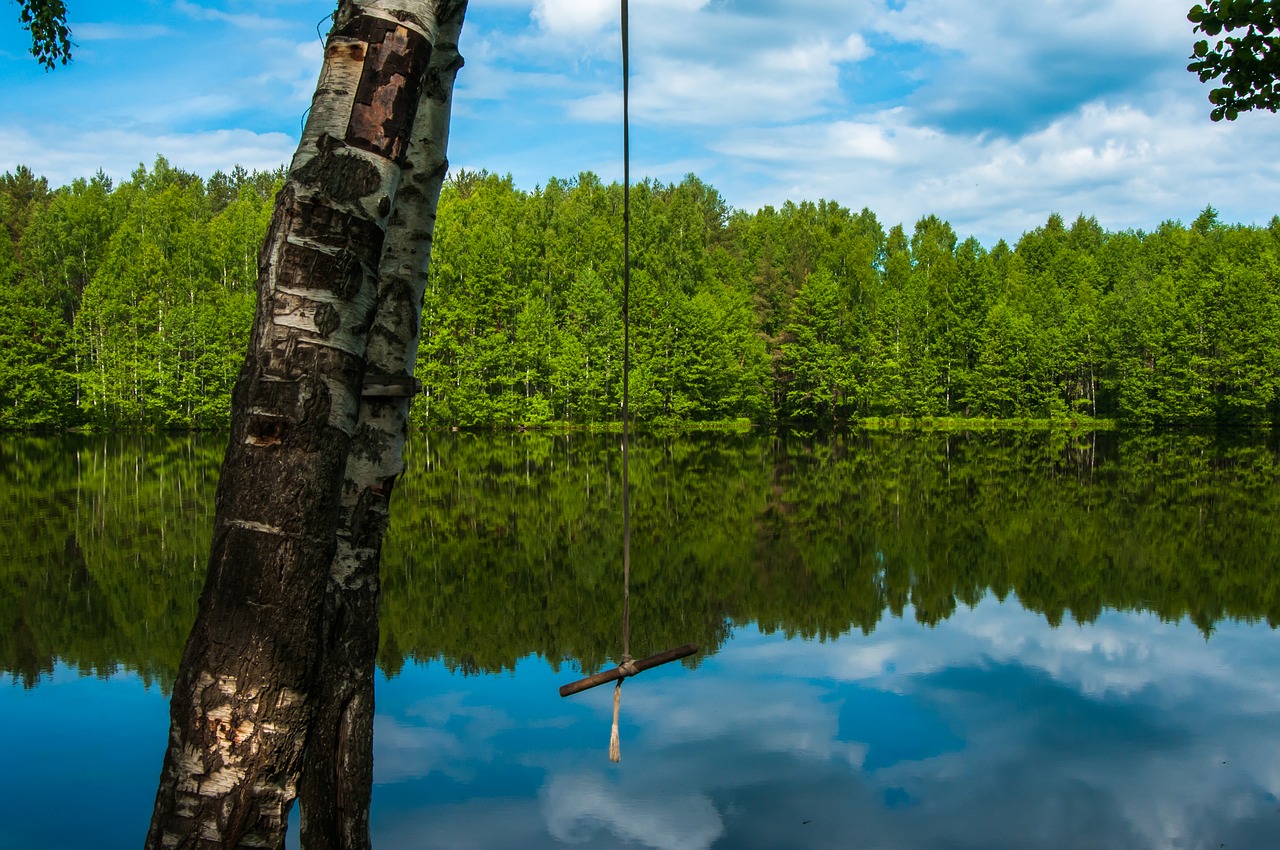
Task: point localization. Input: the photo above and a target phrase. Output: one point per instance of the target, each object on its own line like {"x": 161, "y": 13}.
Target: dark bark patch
{"x": 266, "y": 430}
{"x": 305, "y": 268}
{"x": 352, "y": 52}
{"x": 369, "y": 518}
{"x": 390, "y": 386}
{"x": 369, "y": 443}
{"x": 280, "y": 396}
{"x": 280, "y": 217}
{"x": 384, "y": 486}
{"x": 339, "y": 175}
{"x": 315, "y": 408}
{"x": 327, "y": 320}
{"x": 386, "y": 100}
{"x": 440, "y": 80}
{"x": 323, "y": 224}
{"x": 357, "y": 241}
{"x": 274, "y": 363}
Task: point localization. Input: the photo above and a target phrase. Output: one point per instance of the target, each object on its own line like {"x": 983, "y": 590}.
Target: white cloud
{"x": 1010, "y": 113}
{"x": 977, "y": 26}
{"x": 674, "y": 713}
{"x": 693, "y": 62}
{"x": 293, "y": 65}
{"x": 88, "y": 31}
{"x": 574, "y": 18}
{"x": 577, "y": 806}
{"x": 1129, "y": 166}
{"x": 118, "y": 152}
{"x": 405, "y": 751}
{"x": 1128, "y": 732}
{"x": 240, "y": 20}
{"x": 420, "y": 744}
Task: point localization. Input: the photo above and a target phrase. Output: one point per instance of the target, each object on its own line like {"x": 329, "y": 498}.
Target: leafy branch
{"x": 1247, "y": 61}
{"x": 46, "y": 20}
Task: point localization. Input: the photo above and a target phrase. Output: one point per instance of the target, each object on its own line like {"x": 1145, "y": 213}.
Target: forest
{"x": 128, "y": 307}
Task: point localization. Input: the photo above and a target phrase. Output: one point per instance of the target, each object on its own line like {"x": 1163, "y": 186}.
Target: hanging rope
{"x": 627, "y": 667}
{"x": 626, "y": 342}
{"x": 615, "y": 746}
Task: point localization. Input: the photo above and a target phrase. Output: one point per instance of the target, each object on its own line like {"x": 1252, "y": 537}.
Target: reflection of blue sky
{"x": 988, "y": 731}
{"x": 81, "y": 758}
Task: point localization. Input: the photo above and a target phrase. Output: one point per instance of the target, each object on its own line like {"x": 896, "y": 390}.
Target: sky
{"x": 991, "y": 115}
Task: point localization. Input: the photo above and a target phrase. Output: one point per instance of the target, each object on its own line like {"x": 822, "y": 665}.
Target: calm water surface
{"x": 927, "y": 641}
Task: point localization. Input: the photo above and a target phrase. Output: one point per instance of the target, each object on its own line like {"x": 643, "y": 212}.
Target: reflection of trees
{"x": 508, "y": 545}
{"x": 101, "y": 542}
{"x": 817, "y": 536}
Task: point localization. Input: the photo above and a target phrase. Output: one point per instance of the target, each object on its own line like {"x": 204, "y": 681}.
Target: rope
{"x": 626, "y": 341}
{"x": 615, "y": 742}
{"x": 627, "y": 666}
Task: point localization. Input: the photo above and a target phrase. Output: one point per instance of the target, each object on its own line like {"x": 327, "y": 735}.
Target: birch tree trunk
{"x": 249, "y": 680}
{"x": 337, "y": 776}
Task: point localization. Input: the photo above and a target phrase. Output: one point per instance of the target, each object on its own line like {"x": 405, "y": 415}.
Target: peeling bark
{"x": 248, "y": 685}
{"x": 337, "y": 775}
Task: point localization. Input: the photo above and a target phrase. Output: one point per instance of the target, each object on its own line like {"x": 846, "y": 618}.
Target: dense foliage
{"x": 1246, "y": 59}
{"x": 129, "y": 306}
{"x": 506, "y": 545}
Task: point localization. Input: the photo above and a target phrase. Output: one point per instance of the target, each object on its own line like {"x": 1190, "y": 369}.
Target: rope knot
{"x": 628, "y": 667}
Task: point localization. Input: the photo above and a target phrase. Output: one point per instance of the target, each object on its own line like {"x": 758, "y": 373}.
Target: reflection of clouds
{"x": 693, "y": 707}
{"x": 403, "y": 752}
{"x": 446, "y": 736}
{"x": 578, "y": 807}
{"x": 1121, "y": 653}
{"x": 989, "y": 730}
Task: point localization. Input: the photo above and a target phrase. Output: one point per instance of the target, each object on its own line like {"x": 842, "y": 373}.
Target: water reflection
{"x": 862, "y": 682}
{"x": 988, "y": 730}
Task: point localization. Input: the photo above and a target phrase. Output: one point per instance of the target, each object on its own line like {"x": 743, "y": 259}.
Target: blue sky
{"x": 989, "y": 114}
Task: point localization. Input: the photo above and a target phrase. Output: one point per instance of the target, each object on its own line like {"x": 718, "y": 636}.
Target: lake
{"x": 920, "y": 640}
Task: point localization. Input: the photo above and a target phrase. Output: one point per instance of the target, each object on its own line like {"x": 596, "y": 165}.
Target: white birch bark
{"x": 246, "y": 689}
{"x": 338, "y": 764}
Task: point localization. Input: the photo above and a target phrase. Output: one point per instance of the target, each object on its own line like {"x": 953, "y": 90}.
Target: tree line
{"x": 129, "y": 306}
{"x": 507, "y": 545}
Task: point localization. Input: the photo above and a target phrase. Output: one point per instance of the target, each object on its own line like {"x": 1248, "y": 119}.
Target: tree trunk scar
{"x": 386, "y": 99}
{"x": 259, "y": 527}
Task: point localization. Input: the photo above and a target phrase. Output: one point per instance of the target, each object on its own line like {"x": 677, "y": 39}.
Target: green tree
{"x": 889, "y": 330}
{"x": 815, "y": 363}
{"x": 971, "y": 298}
{"x": 472, "y": 305}
{"x": 588, "y": 366}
